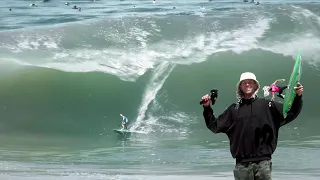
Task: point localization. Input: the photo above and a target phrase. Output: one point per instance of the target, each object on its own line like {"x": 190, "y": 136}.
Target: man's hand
{"x": 299, "y": 89}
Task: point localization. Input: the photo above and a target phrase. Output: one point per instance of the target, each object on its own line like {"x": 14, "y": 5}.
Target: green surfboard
{"x": 294, "y": 79}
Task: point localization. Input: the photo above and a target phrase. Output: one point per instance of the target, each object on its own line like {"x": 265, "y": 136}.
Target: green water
{"x": 62, "y": 87}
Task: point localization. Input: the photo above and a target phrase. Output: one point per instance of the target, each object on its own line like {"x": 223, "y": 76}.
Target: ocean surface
{"x": 66, "y": 75}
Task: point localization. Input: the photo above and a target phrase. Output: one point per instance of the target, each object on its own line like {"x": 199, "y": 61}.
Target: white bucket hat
{"x": 244, "y": 76}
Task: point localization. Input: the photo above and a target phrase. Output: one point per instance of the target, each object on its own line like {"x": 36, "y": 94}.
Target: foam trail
{"x": 195, "y": 50}
{"x": 161, "y": 73}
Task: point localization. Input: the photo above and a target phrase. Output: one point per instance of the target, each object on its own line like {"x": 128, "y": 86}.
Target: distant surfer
{"x": 273, "y": 88}
{"x": 124, "y": 122}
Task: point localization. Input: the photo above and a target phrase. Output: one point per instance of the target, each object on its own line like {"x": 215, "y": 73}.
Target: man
{"x": 252, "y": 126}
{"x": 124, "y": 122}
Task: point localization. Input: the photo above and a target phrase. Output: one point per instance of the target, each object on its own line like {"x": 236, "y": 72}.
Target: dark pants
{"x": 125, "y": 125}
{"x": 253, "y": 170}
{"x": 281, "y": 89}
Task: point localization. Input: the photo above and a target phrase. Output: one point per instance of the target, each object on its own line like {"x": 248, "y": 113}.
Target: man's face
{"x": 248, "y": 87}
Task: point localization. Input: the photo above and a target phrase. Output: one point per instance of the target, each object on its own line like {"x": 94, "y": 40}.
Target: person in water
{"x": 252, "y": 125}
{"x": 273, "y": 88}
{"x": 124, "y": 122}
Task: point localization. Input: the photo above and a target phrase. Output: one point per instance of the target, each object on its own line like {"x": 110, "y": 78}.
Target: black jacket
{"x": 252, "y": 126}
